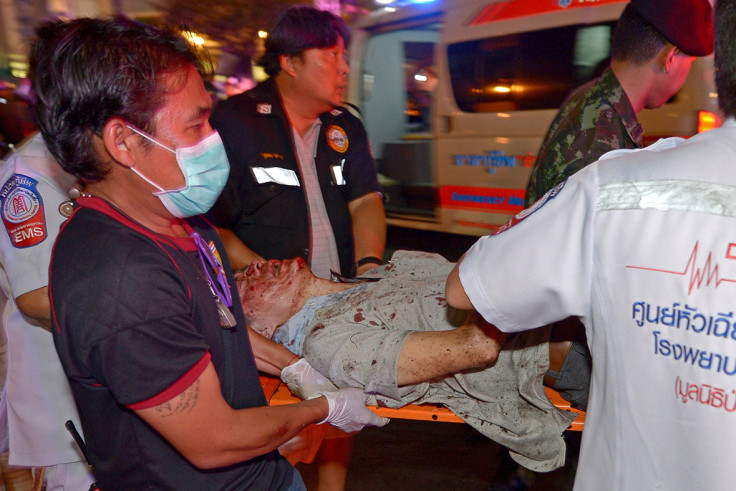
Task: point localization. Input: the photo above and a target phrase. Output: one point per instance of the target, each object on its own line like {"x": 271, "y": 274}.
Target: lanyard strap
{"x": 222, "y": 288}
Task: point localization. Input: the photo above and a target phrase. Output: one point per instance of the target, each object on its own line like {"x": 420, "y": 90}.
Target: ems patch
{"x": 337, "y": 138}
{"x": 522, "y": 215}
{"x": 22, "y": 211}
{"x": 263, "y": 108}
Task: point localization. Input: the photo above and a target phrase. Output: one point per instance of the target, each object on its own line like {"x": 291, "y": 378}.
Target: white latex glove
{"x": 348, "y": 411}
{"x": 304, "y": 381}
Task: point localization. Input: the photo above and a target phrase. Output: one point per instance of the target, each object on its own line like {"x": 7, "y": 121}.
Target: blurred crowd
{"x": 15, "y": 114}
{"x": 16, "y": 122}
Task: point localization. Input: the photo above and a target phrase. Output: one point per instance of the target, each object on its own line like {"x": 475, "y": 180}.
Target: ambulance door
{"x": 398, "y": 78}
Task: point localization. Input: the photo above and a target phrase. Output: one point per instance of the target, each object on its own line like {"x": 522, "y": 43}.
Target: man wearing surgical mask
{"x": 161, "y": 363}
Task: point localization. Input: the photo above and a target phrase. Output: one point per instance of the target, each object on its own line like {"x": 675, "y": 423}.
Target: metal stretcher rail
{"x": 278, "y": 394}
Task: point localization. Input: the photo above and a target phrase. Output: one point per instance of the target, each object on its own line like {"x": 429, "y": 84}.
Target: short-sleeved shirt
{"x": 135, "y": 324}
{"x": 264, "y": 200}
{"x": 596, "y": 118}
{"x": 38, "y": 398}
{"x": 641, "y": 246}
{"x": 323, "y": 257}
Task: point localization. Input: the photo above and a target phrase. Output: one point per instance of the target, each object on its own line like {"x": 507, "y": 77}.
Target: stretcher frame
{"x": 277, "y": 394}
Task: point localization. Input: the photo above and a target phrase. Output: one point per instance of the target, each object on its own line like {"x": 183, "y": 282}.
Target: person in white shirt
{"x": 641, "y": 247}
{"x": 37, "y": 399}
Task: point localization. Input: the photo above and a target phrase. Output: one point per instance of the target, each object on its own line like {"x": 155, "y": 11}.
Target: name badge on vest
{"x": 337, "y": 176}
{"x": 277, "y": 175}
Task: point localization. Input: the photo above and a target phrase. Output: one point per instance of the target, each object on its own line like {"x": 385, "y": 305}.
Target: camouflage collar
{"x": 620, "y": 103}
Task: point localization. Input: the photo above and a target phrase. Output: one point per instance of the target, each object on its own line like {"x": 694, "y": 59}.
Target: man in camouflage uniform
{"x": 596, "y": 118}
{"x": 654, "y": 44}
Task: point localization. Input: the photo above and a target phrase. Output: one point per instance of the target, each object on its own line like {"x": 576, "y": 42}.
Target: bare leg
{"x": 332, "y": 461}
{"x": 428, "y": 355}
{"x": 15, "y": 478}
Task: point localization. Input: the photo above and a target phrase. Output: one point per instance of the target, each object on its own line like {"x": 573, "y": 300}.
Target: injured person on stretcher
{"x": 400, "y": 342}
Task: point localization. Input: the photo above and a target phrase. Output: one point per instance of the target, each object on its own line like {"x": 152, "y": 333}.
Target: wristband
{"x": 369, "y": 260}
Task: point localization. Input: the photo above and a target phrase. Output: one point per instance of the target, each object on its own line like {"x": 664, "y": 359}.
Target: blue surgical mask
{"x": 205, "y": 168}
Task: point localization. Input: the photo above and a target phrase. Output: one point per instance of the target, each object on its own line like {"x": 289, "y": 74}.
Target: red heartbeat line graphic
{"x": 707, "y": 274}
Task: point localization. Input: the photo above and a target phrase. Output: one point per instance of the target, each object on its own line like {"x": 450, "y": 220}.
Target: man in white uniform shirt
{"x": 37, "y": 397}
{"x": 641, "y": 246}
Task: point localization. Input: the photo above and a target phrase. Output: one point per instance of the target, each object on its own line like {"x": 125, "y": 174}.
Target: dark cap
{"x": 688, "y": 24}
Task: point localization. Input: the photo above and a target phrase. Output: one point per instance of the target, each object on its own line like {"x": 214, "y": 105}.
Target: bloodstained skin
{"x": 271, "y": 292}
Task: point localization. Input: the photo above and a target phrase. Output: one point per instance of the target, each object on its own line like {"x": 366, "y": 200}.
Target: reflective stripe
{"x": 286, "y": 177}
{"x": 674, "y": 195}
{"x": 337, "y": 176}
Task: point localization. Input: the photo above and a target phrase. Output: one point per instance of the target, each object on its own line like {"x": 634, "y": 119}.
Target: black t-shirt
{"x": 135, "y": 324}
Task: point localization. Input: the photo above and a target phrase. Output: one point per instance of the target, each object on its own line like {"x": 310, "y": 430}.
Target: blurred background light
{"x": 194, "y": 38}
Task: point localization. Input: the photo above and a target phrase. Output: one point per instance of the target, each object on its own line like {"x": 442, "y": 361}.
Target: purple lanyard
{"x": 221, "y": 288}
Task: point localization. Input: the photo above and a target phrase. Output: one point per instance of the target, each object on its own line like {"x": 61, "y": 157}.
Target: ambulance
{"x": 457, "y": 96}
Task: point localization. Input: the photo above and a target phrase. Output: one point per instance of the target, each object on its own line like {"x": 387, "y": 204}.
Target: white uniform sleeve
{"x": 538, "y": 270}
{"x": 30, "y": 215}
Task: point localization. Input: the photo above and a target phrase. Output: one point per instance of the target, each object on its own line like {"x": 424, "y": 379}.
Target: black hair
{"x": 299, "y": 28}
{"x": 85, "y": 71}
{"x": 725, "y": 57}
{"x": 634, "y": 39}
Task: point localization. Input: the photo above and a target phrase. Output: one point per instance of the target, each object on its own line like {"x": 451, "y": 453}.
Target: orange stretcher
{"x": 278, "y": 394}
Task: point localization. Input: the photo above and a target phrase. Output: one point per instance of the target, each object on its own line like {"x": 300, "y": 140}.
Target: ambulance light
{"x": 707, "y": 120}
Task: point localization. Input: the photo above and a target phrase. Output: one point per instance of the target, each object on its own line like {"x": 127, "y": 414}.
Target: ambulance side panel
{"x": 456, "y": 129}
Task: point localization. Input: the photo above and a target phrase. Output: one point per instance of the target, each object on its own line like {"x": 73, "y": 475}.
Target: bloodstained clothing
{"x": 355, "y": 337}
{"x": 135, "y": 324}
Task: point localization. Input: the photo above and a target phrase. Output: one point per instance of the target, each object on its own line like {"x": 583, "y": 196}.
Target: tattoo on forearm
{"x": 182, "y": 404}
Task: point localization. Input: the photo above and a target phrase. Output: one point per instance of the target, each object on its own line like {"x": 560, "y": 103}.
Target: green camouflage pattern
{"x": 596, "y": 118}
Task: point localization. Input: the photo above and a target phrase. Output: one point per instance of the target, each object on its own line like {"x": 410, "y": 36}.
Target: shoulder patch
{"x": 337, "y": 138}
{"x": 522, "y": 215}
{"x": 22, "y": 210}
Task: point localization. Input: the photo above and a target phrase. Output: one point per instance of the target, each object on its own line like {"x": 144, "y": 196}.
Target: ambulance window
{"x": 531, "y": 70}
{"x": 420, "y": 80}
{"x": 398, "y": 77}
